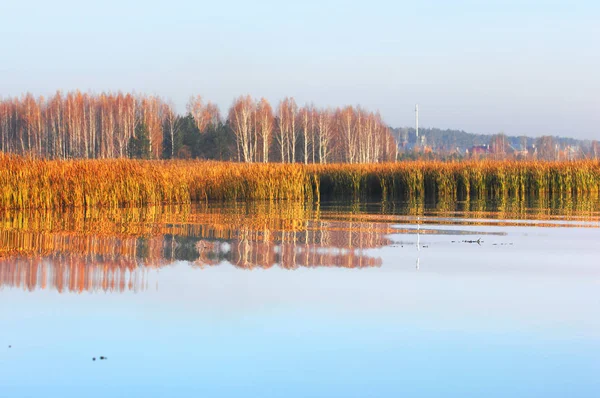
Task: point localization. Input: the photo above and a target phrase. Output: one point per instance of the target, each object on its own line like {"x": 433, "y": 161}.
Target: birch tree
{"x": 240, "y": 120}
{"x": 265, "y": 124}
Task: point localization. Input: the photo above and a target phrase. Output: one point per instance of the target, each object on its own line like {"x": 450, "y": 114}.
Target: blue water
{"x": 516, "y": 315}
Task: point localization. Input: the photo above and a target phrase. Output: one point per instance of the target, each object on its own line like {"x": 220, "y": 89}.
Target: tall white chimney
{"x": 417, "y": 120}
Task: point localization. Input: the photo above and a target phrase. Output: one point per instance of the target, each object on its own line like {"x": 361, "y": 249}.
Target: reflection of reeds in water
{"x": 112, "y": 250}
{"x": 478, "y": 212}
{"x": 83, "y": 250}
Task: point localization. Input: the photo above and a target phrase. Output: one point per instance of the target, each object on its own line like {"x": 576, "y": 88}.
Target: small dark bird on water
{"x": 93, "y": 359}
{"x": 103, "y": 358}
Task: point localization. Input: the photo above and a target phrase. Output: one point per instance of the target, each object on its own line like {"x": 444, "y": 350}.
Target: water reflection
{"x": 65, "y": 273}
{"x": 114, "y": 250}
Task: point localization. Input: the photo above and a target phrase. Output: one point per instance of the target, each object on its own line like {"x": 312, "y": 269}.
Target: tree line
{"x": 117, "y": 125}
{"x": 434, "y": 143}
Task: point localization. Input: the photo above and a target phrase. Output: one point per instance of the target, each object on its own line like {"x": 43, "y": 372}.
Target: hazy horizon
{"x": 522, "y": 68}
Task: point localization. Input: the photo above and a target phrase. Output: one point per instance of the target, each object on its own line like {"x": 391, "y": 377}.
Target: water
{"x": 301, "y": 301}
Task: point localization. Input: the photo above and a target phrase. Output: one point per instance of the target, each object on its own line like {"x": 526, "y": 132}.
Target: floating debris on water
{"x": 478, "y": 241}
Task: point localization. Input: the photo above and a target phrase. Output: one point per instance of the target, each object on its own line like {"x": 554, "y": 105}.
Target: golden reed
{"x": 34, "y": 183}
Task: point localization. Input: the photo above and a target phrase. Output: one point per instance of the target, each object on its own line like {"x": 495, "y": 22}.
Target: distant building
{"x": 521, "y": 154}
{"x": 478, "y": 150}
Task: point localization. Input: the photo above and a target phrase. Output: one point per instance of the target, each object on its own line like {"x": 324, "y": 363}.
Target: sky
{"x": 519, "y": 67}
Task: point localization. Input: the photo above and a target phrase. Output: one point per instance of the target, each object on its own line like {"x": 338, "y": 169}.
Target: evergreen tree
{"x": 139, "y": 145}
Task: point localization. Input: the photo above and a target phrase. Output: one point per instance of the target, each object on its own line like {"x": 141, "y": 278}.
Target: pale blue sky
{"x": 522, "y": 67}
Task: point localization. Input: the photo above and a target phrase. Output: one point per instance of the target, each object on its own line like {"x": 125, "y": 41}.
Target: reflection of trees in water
{"x": 112, "y": 250}
{"x": 319, "y": 244}
{"x": 76, "y": 263}
{"x": 82, "y": 252}
{"x": 72, "y": 273}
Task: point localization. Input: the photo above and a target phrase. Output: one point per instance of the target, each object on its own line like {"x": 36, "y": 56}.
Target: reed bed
{"x": 34, "y": 183}
{"x": 452, "y": 181}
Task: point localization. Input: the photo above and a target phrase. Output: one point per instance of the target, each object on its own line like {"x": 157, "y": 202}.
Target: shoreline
{"x": 27, "y": 183}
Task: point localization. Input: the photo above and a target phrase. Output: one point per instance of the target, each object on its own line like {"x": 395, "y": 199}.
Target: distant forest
{"x": 118, "y": 125}
{"x": 458, "y": 143}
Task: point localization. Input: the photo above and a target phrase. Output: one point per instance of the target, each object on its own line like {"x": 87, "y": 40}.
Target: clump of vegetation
{"x": 485, "y": 179}
{"x": 33, "y": 183}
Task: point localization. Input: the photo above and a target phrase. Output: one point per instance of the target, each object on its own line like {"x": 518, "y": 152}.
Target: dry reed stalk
{"x": 32, "y": 183}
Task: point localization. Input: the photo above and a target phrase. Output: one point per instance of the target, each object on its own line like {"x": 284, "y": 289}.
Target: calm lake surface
{"x": 293, "y": 300}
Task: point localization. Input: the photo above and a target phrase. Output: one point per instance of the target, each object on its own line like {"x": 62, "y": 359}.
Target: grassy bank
{"x": 29, "y": 183}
